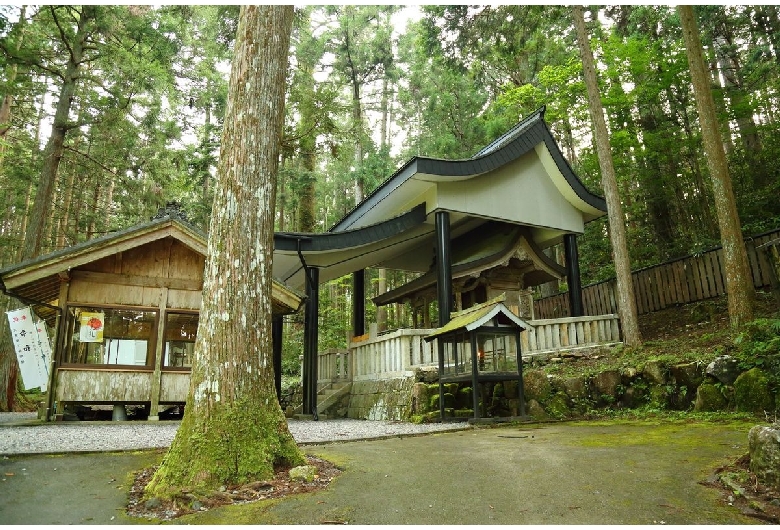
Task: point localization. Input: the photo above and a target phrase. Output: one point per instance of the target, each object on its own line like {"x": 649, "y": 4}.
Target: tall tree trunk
{"x": 234, "y": 430}
{"x": 739, "y": 285}
{"x": 52, "y": 154}
{"x": 625, "y": 288}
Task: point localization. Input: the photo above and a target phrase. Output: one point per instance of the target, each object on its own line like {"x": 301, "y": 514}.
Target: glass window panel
{"x": 497, "y": 352}
{"x": 180, "y": 332}
{"x": 111, "y": 336}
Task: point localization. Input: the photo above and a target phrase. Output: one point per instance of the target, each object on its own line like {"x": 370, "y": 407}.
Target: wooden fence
{"x": 689, "y": 279}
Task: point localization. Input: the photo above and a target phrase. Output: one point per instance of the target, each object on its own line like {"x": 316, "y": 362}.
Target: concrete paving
{"x": 567, "y": 473}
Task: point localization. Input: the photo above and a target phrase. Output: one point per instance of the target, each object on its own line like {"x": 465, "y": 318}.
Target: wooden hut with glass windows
{"x": 122, "y": 311}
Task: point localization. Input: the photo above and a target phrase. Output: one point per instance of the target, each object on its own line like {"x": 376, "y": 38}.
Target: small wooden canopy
{"x": 494, "y": 312}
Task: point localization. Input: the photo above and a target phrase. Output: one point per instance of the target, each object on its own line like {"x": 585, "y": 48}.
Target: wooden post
{"x": 310, "y": 342}
{"x": 576, "y": 308}
{"x": 443, "y": 267}
{"x": 359, "y": 302}
{"x": 154, "y": 405}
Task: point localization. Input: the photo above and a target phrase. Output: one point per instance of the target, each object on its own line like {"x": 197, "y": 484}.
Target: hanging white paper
{"x": 31, "y": 352}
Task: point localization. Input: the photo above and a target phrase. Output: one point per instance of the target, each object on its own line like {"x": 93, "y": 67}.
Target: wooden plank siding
{"x": 681, "y": 281}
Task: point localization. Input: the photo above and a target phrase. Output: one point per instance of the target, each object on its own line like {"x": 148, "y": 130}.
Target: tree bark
{"x": 234, "y": 430}
{"x": 52, "y": 154}
{"x": 739, "y": 285}
{"x": 625, "y": 288}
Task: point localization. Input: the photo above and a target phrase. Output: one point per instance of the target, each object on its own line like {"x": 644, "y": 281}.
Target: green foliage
{"x": 758, "y": 346}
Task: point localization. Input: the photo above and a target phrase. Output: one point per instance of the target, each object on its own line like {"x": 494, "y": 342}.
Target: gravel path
{"x": 67, "y": 437}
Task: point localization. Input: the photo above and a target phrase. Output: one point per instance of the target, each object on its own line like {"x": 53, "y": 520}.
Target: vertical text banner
{"x": 33, "y": 350}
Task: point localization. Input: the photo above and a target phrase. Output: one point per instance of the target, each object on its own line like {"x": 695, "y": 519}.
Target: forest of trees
{"x": 109, "y": 112}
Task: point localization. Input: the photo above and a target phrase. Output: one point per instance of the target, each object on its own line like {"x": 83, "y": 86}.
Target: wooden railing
{"x": 681, "y": 281}
{"x": 570, "y": 333}
{"x": 392, "y": 355}
{"x": 333, "y": 366}
{"x": 398, "y": 353}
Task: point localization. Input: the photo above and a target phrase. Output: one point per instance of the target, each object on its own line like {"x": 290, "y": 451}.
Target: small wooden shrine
{"x": 480, "y": 347}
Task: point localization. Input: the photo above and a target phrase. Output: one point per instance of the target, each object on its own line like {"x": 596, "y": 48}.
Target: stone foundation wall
{"x": 381, "y": 400}
{"x": 717, "y": 386}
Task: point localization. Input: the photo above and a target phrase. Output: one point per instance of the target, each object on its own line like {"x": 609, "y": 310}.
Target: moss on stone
{"x": 557, "y": 406}
{"x": 536, "y": 385}
{"x": 709, "y": 398}
{"x": 752, "y": 392}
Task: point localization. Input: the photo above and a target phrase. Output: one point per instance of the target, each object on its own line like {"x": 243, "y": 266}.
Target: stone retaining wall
{"x": 381, "y": 400}
{"x": 700, "y": 387}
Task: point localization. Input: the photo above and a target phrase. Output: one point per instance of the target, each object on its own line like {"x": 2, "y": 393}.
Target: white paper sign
{"x": 33, "y": 350}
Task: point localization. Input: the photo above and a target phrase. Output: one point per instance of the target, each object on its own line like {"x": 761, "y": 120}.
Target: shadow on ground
{"x": 568, "y": 473}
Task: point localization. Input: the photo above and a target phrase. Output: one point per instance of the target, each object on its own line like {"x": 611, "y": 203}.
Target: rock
{"x": 196, "y": 505}
{"x": 153, "y": 503}
{"x": 724, "y": 368}
{"x": 510, "y": 388}
{"x": 536, "y": 385}
{"x": 449, "y": 401}
{"x": 764, "y": 447}
{"x": 303, "y": 473}
{"x": 632, "y": 398}
{"x": 535, "y": 410}
{"x": 556, "y": 383}
{"x": 688, "y": 374}
{"x": 558, "y": 406}
{"x": 628, "y": 374}
{"x": 576, "y": 387}
{"x": 465, "y": 397}
{"x": 606, "y": 383}
{"x": 654, "y": 372}
{"x": 421, "y": 398}
{"x": 752, "y": 392}
{"x": 709, "y": 398}
{"x": 427, "y": 374}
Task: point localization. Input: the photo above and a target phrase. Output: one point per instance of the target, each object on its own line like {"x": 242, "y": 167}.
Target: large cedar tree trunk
{"x": 234, "y": 430}
{"x": 617, "y": 227}
{"x": 739, "y": 284}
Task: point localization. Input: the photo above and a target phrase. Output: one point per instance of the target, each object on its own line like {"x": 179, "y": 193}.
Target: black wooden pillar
{"x": 277, "y": 328}
{"x": 359, "y": 302}
{"x": 444, "y": 289}
{"x": 573, "y": 275}
{"x": 310, "y": 341}
{"x": 443, "y": 266}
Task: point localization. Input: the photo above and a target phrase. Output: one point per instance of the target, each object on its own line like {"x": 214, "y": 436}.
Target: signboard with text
{"x": 33, "y": 350}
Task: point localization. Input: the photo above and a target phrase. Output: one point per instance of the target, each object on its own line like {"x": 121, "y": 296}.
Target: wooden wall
{"x": 137, "y": 277}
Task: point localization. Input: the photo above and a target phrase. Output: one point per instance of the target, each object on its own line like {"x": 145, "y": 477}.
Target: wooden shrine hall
{"x": 472, "y": 229}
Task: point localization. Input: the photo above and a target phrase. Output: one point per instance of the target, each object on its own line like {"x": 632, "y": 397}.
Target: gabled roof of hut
{"x": 38, "y": 280}
{"x": 479, "y": 315}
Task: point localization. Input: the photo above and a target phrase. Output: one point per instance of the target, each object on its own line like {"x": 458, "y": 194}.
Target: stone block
{"x": 576, "y": 387}
{"x": 689, "y": 375}
{"x": 724, "y": 368}
{"x": 764, "y": 448}
{"x": 709, "y": 398}
{"x": 536, "y": 385}
{"x": 655, "y": 372}
{"x": 606, "y": 383}
{"x": 752, "y": 392}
